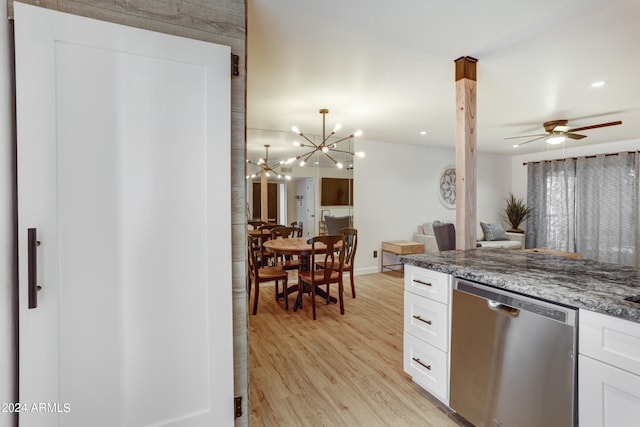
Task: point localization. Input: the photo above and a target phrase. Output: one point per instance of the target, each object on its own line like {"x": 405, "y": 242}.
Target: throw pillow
{"x": 493, "y": 232}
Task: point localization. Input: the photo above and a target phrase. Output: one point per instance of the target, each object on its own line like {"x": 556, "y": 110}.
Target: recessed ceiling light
{"x": 598, "y": 83}
{"x": 423, "y": 132}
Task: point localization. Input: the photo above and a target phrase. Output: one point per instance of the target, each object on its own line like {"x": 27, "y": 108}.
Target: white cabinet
{"x": 608, "y": 371}
{"x": 427, "y": 329}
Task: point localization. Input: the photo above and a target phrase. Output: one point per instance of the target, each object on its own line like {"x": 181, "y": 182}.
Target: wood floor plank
{"x": 336, "y": 370}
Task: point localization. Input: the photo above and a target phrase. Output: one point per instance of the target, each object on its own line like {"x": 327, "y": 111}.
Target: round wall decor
{"x": 447, "y": 187}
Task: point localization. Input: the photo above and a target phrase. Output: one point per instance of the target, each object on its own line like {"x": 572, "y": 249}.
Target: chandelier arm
{"x": 342, "y": 139}
{"x": 301, "y": 156}
{"x": 305, "y": 137}
{"x": 324, "y": 140}
{"x": 332, "y": 159}
{"x": 309, "y": 156}
{"x": 342, "y": 151}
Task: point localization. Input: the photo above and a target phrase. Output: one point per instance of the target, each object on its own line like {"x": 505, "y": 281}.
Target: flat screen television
{"x": 336, "y": 192}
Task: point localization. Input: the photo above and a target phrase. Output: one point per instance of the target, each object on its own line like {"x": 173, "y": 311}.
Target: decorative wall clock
{"x": 447, "y": 187}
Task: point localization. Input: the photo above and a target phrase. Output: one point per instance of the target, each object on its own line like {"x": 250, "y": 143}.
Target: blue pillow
{"x": 493, "y": 232}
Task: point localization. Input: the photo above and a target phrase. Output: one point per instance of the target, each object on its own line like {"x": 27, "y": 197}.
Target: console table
{"x": 399, "y": 247}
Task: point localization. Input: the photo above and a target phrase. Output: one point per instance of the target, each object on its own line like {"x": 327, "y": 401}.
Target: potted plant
{"x": 515, "y": 212}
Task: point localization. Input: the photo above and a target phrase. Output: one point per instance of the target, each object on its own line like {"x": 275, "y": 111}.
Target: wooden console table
{"x": 399, "y": 247}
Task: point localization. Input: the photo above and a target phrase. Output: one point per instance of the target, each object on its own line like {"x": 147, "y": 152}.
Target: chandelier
{"x": 326, "y": 147}
{"x": 266, "y": 168}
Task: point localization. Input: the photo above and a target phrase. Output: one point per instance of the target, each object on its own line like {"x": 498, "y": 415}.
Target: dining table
{"x": 298, "y": 246}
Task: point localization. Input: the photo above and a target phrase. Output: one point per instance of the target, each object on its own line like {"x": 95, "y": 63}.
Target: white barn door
{"x": 124, "y": 179}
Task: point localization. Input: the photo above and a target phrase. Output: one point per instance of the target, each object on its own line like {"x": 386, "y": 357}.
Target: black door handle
{"x": 32, "y": 267}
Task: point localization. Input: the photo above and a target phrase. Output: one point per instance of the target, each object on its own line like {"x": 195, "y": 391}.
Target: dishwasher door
{"x": 513, "y": 360}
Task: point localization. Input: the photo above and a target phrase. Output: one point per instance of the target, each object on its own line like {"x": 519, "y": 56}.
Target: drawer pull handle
{"x": 422, "y": 283}
{"x": 428, "y": 322}
{"x": 415, "y": 359}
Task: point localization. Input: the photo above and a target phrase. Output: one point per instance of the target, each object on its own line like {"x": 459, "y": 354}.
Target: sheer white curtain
{"x": 551, "y": 194}
{"x": 587, "y": 205}
{"x": 607, "y": 208}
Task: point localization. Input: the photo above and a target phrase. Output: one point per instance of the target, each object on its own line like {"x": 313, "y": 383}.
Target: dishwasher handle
{"x": 503, "y": 308}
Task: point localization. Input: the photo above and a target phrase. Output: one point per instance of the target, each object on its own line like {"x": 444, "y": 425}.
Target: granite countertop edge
{"x": 582, "y": 284}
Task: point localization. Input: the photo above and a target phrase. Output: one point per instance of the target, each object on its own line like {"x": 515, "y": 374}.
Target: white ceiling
{"x": 387, "y": 68}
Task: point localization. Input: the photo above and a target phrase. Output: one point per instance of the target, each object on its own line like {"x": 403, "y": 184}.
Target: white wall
{"x": 395, "y": 189}
{"x": 519, "y": 171}
{"x": 7, "y": 242}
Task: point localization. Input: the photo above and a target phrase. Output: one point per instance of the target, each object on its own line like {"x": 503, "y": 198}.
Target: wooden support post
{"x": 465, "y": 153}
{"x": 264, "y": 197}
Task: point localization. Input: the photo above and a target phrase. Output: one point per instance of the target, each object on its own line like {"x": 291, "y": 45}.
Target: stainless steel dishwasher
{"x": 513, "y": 359}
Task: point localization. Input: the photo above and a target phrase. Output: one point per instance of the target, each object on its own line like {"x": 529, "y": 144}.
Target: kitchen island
{"x": 607, "y": 332}
{"x": 584, "y": 284}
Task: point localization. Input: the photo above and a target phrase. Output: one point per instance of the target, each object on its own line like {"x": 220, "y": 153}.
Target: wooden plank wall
{"x": 222, "y": 22}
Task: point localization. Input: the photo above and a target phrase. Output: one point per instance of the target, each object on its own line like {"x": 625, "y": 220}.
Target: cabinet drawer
{"x": 430, "y": 284}
{"x": 427, "y": 320}
{"x": 427, "y": 365}
{"x": 607, "y": 396}
{"x": 610, "y": 340}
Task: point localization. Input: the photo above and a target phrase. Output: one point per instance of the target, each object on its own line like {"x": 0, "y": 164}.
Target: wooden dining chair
{"x": 265, "y": 257}
{"x": 255, "y": 223}
{"x": 330, "y": 272}
{"x": 350, "y": 238}
{"x": 298, "y": 224}
{"x": 259, "y": 274}
{"x": 288, "y": 262}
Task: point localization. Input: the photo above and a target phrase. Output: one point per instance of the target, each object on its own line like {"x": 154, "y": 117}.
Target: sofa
{"x": 425, "y": 235}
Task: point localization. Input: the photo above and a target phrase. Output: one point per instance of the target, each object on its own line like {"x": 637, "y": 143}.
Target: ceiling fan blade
{"x": 575, "y": 136}
{"x": 527, "y": 136}
{"x": 531, "y": 140}
{"x": 601, "y": 125}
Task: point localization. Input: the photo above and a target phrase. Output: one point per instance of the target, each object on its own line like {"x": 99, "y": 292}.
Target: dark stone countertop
{"x": 586, "y": 284}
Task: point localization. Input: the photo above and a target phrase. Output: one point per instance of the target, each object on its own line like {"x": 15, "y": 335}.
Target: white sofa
{"x": 425, "y": 235}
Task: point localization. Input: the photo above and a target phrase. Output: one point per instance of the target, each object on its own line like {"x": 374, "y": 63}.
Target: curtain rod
{"x": 576, "y": 158}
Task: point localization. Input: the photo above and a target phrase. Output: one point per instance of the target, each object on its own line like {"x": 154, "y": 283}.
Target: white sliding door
{"x": 123, "y": 173}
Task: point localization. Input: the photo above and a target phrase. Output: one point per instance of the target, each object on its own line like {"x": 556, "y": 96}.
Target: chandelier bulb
{"x": 339, "y": 165}
{"x": 302, "y": 163}
{"x": 295, "y": 130}
{"x": 296, "y": 144}
{"x": 359, "y": 154}
{"x": 357, "y": 133}
{"x": 337, "y": 127}
{"x": 325, "y": 149}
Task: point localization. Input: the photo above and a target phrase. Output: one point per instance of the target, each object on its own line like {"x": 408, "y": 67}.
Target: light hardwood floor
{"x": 337, "y": 370}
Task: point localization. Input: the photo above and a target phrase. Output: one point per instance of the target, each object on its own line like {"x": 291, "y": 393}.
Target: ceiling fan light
{"x": 556, "y": 139}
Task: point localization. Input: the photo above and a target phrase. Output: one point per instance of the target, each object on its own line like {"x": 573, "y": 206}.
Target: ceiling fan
{"x": 558, "y": 132}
